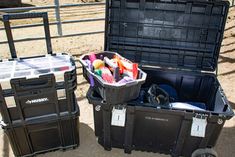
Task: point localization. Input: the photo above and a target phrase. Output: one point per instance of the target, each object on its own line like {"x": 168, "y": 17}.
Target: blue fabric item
{"x": 175, "y": 104}
{"x": 142, "y": 95}
{"x": 140, "y": 100}
{"x": 170, "y": 90}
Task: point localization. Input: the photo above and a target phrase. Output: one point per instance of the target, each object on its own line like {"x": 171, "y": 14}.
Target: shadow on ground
{"x": 6, "y": 148}
{"x": 81, "y": 98}
{"x": 226, "y": 142}
{"x": 15, "y": 6}
{"x": 27, "y": 5}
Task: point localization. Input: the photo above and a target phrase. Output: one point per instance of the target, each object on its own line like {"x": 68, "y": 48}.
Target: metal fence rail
{"x": 57, "y": 9}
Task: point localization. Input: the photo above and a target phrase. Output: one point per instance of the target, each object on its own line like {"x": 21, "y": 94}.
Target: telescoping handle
{"x": 6, "y": 19}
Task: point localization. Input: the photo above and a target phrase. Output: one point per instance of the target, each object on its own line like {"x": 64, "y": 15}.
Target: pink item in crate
{"x": 107, "y": 75}
{"x": 92, "y": 57}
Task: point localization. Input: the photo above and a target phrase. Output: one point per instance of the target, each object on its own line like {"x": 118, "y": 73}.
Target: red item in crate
{"x": 64, "y": 68}
{"x": 126, "y": 67}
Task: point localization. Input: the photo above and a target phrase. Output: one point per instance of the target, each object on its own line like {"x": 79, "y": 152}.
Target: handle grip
{"x": 35, "y": 83}
{"x": 6, "y": 19}
{"x": 93, "y": 98}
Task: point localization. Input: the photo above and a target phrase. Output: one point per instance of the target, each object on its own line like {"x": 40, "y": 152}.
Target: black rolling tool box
{"x": 46, "y": 134}
{"x": 36, "y": 86}
{"x": 177, "y": 43}
{"x": 37, "y": 100}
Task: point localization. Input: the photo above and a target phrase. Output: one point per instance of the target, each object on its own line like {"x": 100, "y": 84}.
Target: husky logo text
{"x": 34, "y": 101}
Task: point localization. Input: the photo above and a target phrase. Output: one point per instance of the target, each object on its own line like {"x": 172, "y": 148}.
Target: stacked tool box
{"x": 177, "y": 43}
{"x": 37, "y": 101}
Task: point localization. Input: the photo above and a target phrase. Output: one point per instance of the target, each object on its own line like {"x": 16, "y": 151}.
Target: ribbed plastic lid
{"x": 178, "y": 34}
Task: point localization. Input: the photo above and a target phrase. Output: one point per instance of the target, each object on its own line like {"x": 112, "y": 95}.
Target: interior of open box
{"x": 190, "y": 87}
{"x": 182, "y": 34}
{"x": 174, "y": 34}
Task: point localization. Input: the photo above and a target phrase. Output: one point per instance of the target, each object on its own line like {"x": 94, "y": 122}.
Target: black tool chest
{"x": 177, "y": 43}
{"x": 37, "y": 101}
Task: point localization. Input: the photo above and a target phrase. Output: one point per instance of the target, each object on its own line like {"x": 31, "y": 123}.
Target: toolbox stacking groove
{"x": 37, "y": 100}
{"x": 181, "y": 107}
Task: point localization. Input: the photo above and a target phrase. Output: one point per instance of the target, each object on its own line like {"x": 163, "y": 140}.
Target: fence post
{"x": 58, "y": 20}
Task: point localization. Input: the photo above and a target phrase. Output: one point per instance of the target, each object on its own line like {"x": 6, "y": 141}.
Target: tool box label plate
{"x": 198, "y": 128}
{"x": 118, "y": 117}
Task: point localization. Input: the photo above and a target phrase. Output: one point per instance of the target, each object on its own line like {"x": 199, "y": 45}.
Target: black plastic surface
{"x": 44, "y": 135}
{"x": 167, "y": 33}
{"x": 164, "y": 130}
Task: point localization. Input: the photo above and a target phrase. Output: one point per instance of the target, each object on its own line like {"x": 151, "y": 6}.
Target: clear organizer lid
{"x": 183, "y": 34}
{"x": 34, "y": 67}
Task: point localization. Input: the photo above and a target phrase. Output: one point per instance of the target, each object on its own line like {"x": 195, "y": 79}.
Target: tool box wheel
{"x": 207, "y": 152}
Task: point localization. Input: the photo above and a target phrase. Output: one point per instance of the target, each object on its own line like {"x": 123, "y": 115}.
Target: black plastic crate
{"x": 38, "y": 85}
{"x": 113, "y": 93}
{"x": 45, "y": 134}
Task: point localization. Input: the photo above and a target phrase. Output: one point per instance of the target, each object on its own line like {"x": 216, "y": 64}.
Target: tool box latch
{"x": 199, "y": 124}
{"x": 118, "y": 116}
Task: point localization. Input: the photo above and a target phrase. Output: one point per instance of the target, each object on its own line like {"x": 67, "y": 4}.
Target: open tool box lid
{"x": 167, "y": 33}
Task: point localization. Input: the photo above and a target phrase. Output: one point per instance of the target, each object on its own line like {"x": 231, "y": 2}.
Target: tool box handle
{"x": 93, "y": 99}
{"x": 6, "y": 19}
{"x": 45, "y": 81}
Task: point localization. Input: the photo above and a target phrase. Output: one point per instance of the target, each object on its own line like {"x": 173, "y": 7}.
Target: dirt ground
{"x": 49, "y": 2}
{"x": 93, "y": 43}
